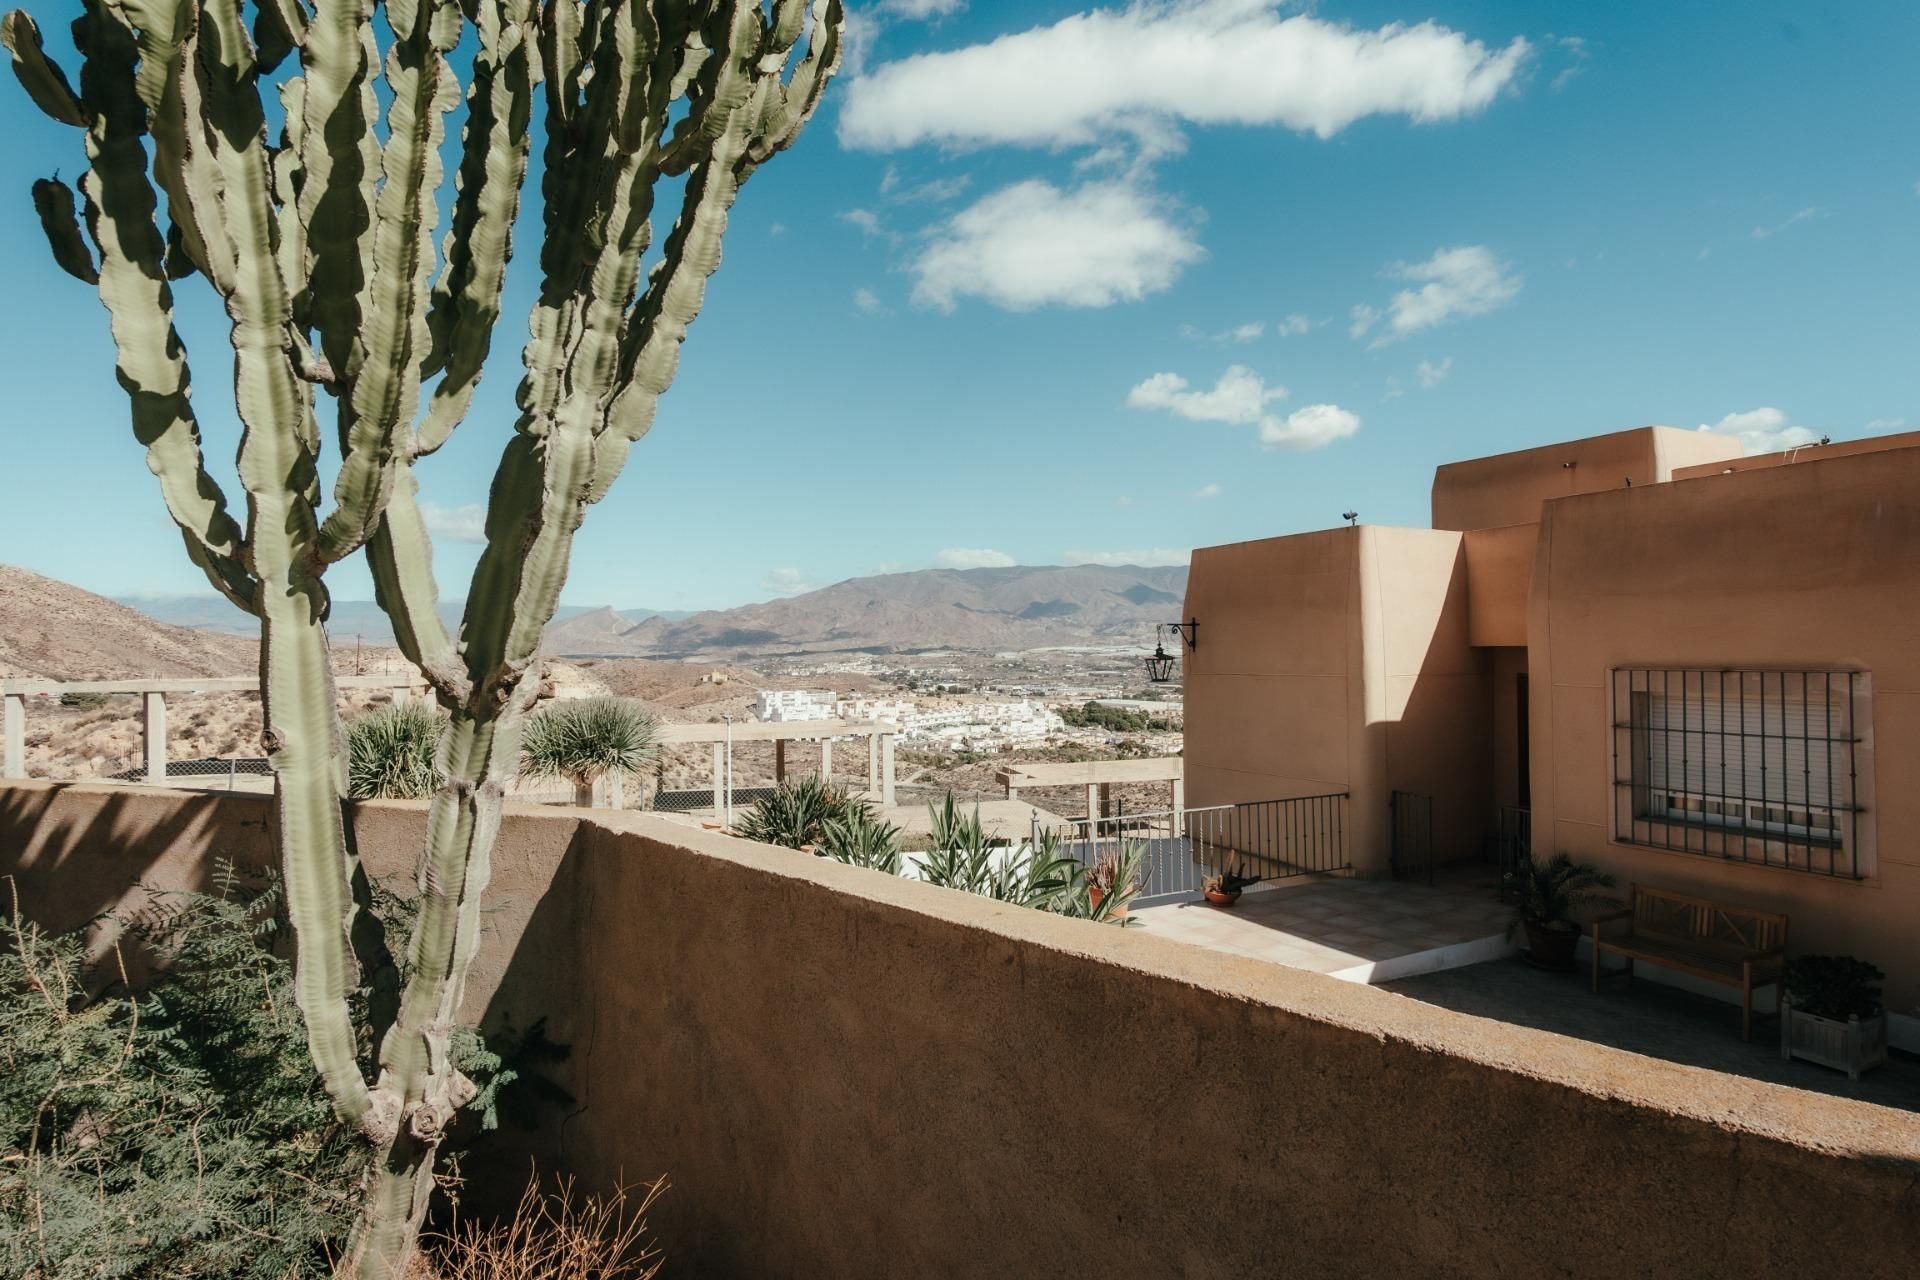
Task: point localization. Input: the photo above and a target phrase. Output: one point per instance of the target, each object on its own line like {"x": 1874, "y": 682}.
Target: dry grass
{"x": 559, "y": 1235}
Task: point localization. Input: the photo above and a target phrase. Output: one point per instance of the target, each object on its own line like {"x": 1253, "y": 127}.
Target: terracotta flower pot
{"x": 1094, "y": 896}
{"x": 1220, "y": 898}
{"x": 1551, "y": 948}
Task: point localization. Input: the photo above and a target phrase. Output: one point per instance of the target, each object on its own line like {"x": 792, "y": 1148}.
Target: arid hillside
{"x": 57, "y": 631}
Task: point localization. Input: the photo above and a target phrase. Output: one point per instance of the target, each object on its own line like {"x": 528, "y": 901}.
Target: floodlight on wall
{"x": 1160, "y": 662}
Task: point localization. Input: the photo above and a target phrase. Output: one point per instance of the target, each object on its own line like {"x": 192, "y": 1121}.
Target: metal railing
{"x": 1180, "y": 848}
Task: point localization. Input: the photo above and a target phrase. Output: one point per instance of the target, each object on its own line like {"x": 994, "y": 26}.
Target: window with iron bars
{"x": 1750, "y": 766}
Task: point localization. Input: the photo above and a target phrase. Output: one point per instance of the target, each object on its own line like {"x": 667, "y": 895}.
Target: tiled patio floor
{"x": 1361, "y": 930}
{"x": 1653, "y": 1020}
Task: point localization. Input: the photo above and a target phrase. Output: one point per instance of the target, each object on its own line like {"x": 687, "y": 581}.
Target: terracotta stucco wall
{"x": 1499, "y": 576}
{"x": 1800, "y": 455}
{"x": 1811, "y": 566}
{"x": 847, "y": 1074}
{"x": 1508, "y": 488}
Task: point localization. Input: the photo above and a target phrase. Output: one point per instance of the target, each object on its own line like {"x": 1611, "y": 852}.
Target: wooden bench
{"x": 1735, "y": 946}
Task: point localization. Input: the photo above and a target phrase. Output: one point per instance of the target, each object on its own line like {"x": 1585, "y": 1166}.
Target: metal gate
{"x": 1412, "y": 849}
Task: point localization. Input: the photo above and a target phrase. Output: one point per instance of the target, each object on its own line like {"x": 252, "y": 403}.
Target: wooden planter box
{"x": 1852, "y": 1046}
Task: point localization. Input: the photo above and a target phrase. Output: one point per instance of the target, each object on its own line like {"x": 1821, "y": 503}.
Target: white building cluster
{"x": 955, "y": 726}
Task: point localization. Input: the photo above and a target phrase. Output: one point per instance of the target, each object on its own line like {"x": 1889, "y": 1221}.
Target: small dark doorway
{"x": 1521, "y": 755}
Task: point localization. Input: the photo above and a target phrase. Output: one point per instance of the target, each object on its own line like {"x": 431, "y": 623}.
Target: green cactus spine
{"x": 321, "y": 247}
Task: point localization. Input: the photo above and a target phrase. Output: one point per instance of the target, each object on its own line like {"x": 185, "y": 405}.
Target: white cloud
{"x": 1247, "y": 332}
{"x": 1124, "y": 500}
{"x": 973, "y": 558}
{"x": 1154, "y": 557}
{"x": 1313, "y": 426}
{"x": 1146, "y": 69}
{"x": 1469, "y": 280}
{"x": 1431, "y": 374}
{"x": 1033, "y": 245}
{"x": 1575, "y": 49}
{"x": 1207, "y": 491}
{"x": 1886, "y": 424}
{"x": 866, "y": 219}
{"x": 785, "y": 582}
{"x": 1292, "y": 326}
{"x": 777, "y": 229}
{"x": 922, "y": 9}
{"x": 934, "y": 190}
{"x": 464, "y": 523}
{"x": 1763, "y": 430}
{"x": 869, "y": 304}
{"x": 1763, "y": 233}
{"x": 1240, "y": 396}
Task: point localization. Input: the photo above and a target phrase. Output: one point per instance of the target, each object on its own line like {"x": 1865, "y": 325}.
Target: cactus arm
{"x": 53, "y": 201}
{"x": 291, "y": 232}
{"x": 793, "y": 104}
{"x": 377, "y": 423}
{"x": 38, "y": 74}
{"x": 400, "y": 557}
{"x": 152, "y": 362}
{"x": 479, "y": 243}
{"x": 276, "y": 464}
{"x": 278, "y": 28}
{"x": 339, "y": 161}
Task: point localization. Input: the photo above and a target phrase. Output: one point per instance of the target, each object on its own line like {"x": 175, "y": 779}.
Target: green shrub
{"x": 1093, "y": 715}
{"x": 586, "y": 739}
{"x": 180, "y": 1131}
{"x": 860, "y": 839}
{"x": 1837, "y": 987}
{"x": 794, "y": 814}
{"x": 85, "y": 701}
{"x": 390, "y": 752}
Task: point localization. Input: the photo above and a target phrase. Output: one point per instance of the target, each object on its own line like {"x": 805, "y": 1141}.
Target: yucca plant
{"x": 966, "y": 858}
{"x": 587, "y": 739}
{"x": 796, "y": 812}
{"x": 314, "y": 221}
{"x": 390, "y": 751}
{"x": 861, "y": 839}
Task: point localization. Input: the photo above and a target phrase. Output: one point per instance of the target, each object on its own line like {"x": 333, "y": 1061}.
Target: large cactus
{"x": 321, "y": 247}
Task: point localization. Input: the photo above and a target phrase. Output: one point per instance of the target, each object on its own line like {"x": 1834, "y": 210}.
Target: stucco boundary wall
{"x": 847, "y": 1074}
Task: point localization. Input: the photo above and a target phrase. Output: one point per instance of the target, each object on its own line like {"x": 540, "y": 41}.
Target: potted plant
{"x": 1550, "y": 895}
{"x": 1830, "y": 1013}
{"x": 1115, "y": 873}
{"x": 1221, "y": 890}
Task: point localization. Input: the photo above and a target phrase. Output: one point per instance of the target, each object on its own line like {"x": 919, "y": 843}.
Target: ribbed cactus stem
{"x": 321, "y": 250}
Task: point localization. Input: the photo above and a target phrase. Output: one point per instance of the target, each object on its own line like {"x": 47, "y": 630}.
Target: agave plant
{"x": 860, "y": 839}
{"x": 390, "y": 752}
{"x": 796, "y": 813}
{"x": 586, "y": 739}
{"x": 966, "y": 858}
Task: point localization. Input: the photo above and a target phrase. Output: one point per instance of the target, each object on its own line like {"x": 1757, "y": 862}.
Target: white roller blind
{"x": 1785, "y": 747}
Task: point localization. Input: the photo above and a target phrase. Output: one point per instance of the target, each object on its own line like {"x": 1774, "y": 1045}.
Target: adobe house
{"x": 1697, "y": 670}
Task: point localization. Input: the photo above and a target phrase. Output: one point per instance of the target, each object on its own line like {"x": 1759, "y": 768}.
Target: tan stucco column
{"x": 153, "y": 727}
{"x": 886, "y": 769}
{"x": 826, "y": 759}
{"x": 779, "y": 760}
{"x": 13, "y": 761}
{"x": 1177, "y": 822}
{"x": 873, "y": 764}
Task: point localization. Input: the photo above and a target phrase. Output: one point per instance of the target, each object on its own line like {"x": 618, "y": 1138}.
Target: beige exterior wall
{"x": 1508, "y": 488}
{"x": 1799, "y": 455}
{"x": 1499, "y": 575}
{"x": 1810, "y": 566}
{"x": 848, "y": 1074}
{"x": 1339, "y": 661}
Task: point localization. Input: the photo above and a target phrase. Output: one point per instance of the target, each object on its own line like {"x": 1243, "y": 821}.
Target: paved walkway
{"x": 1361, "y": 930}
{"x": 1654, "y": 1020}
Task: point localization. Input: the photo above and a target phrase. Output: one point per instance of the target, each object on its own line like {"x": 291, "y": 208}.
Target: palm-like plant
{"x": 1551, "y": 892}
{"x": 859, "y": 838}
{"x": 964, "y": 857}
{"x": 796, "y": 813}
{"x": 390, "y": 752}
{"x": 586, "y": 739}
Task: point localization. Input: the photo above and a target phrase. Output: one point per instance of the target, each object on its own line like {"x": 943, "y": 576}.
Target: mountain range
{"x": 1021, "y": 607}
{"x": 51, "y": 628}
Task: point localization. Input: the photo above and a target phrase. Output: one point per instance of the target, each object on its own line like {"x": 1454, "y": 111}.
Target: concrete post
{"x": 886, "y": 769}
{"x": 873, "y": 764}
{"x": 1093, "y": 806}
{"x": 402, "y": 696}
{"x": 779, "y": 760}
{"x": 826, "y": 759}
{"x": 719, "y": 779}
{"x": 153, "y": 725}
{"x": 14, "y": 761}
{"x": 1179, "y": 821}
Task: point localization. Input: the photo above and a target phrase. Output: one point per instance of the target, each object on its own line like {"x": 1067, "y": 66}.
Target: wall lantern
{"x": 1160, "y": 662}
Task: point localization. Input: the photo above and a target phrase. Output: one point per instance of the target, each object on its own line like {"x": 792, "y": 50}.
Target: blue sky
{"x": 1150, "y": 277}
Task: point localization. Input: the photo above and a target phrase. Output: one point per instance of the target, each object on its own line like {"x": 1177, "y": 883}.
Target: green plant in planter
{"x": 1836, "y": 987}
{"x": 1552, "y": 892}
